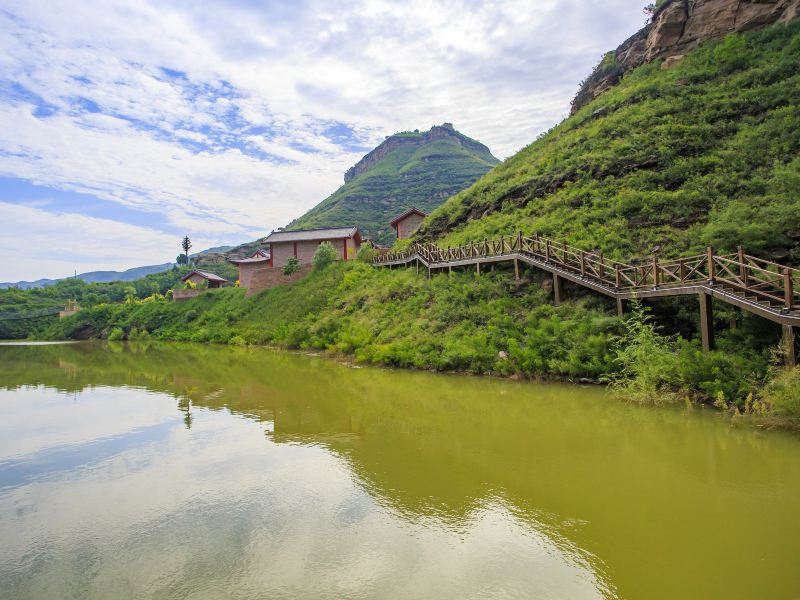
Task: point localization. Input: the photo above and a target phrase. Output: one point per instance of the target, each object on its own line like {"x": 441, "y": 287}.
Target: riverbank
{"x": 492, "y": 325}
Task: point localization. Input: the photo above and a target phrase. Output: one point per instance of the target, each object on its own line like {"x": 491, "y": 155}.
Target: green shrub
{"x": 648, "y": 361}
{"x": 116, "y": 334}
{"x": 292, "y": 266}
{"x": 324, "y": 256}
{"x": 366, "y": 253}
{"x": 190, "y": 316}
{"x": 237, "y": 340}
{"x": 782, "y": 392}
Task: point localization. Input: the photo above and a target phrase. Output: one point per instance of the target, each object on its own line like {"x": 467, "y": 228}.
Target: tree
{"x": 324, "y": 255}
{"x": 292, "y": 266}
{"x": 186, "y": 243}
{"x": 181, "y": 259}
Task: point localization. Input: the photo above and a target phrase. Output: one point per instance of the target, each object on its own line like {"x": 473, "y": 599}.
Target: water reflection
{"x": 176, "y": 470}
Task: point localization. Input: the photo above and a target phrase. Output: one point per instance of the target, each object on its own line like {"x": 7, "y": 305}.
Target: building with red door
{"x": 302, "y": 244}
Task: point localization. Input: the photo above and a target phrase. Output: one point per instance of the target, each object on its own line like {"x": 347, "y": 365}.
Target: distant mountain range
{"x": 408, "y": 169}
{"x": 108, "y": 276}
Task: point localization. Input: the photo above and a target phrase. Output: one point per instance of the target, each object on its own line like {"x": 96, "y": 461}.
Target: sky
{"x": 126, "y": 125}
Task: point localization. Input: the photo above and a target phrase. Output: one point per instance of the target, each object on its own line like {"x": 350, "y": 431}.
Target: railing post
{"x": 681, "y": 270}
{"x": 519, "y": 241}
{"x": 655, "y": 271}
{"x": 485, "y": 247}
{"x": 547, "y": 251}
{"x": 788, "y": 289}
{"x": 583, "y": 264}
{"x": 742, "y": 266}
{"x": 711, "y": 268}
{"x": 617, "y": 277}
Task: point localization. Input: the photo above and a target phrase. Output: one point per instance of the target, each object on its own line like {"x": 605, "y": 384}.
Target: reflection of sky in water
{"x": 106, "y": 493}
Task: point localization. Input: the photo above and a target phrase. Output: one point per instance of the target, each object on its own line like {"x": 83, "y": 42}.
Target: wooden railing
{"x": 773, "y": 285}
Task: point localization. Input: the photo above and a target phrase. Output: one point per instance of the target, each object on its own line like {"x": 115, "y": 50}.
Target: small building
{"x": 250, "y": 266}
{"x": 407, "y": 223}
{"x": 198, "y": 277}
{"x": 302, "y": 244}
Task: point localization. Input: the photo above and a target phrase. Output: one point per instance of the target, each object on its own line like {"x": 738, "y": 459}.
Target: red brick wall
{"x": 305, "y": 251}
{"x": 266, "y": 278}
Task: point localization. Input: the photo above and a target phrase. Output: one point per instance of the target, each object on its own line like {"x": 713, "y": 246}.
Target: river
{"x": 190, "y": 471}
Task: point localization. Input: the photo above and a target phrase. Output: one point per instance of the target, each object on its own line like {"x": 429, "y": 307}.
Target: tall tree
{"x": 186, "y": 243}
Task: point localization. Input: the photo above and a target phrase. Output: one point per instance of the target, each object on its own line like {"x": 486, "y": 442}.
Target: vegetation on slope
{"x": 490, "y": 325}
{"x": 705, "y": 153}
{"x": 15, "y": 301}
{"x": 422, "y": 174}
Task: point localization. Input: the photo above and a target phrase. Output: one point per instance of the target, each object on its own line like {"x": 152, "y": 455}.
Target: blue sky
{"x": 124, "y": 126}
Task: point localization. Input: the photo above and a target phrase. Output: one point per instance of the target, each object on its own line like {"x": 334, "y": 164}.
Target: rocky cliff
{"x": 677, "y": 27}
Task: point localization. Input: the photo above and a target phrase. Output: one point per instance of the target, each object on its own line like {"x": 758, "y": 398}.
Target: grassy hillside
{"x": 26, "y": 301}
{"x": 705, "y": 153}
{"x": 417, "y": 173}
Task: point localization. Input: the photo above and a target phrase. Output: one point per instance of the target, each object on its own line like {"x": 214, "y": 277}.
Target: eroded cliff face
{"x": 437, "y": 132}
{"x": 678, "y": 27}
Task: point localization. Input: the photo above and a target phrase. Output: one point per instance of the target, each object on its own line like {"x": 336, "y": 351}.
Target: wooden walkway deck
{"x": 755, "y": 285}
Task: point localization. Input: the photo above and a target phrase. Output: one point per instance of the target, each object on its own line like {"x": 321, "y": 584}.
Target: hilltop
{"x": 699, "y": 150}
{"x": 408, "y": 169}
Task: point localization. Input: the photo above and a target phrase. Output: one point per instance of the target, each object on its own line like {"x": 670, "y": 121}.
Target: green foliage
{"x": 421, "y": 175}
{"x": 647, "y": 360}
{"x": 366, "y": 253}
{"x": 116, "y": 334}
{"x": 182, "y": 259}
{"x": 705, "y": 153}
{"x": 782, "y": 392}
{"x": 292, "y": 266}
{"x": 325, "y": 255}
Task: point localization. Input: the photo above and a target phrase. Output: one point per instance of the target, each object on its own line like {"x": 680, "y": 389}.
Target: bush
{"x": 366, "y": 253}
{"x": 783, "y": 392}
{"x": 324, "y": 256}
{"x": 648, "y": 360}
{"x": 237, "y": 340}
{"x": 116, "y": 334}
{"x": 292, "y": 266}
{"x": 190, "y": 316}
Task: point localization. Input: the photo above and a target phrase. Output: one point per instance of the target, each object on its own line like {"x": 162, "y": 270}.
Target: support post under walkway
{"x": 620, "y": 307}
{"x": 706, "y": 321}
{"x": 558, "y": 289}
{"x": 789, "y": 349}
{"x": 516, "y": 269}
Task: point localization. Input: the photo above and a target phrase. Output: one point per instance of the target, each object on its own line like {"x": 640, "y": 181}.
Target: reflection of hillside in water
{"x": 635, "y": 487}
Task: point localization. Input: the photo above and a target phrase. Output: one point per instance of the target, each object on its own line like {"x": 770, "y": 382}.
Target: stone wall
{"x": 181, "y": 295}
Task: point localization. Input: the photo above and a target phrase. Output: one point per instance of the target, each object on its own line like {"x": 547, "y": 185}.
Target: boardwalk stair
{"x": 758, "y": 286}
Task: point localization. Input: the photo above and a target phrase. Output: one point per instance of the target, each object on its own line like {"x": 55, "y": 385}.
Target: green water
{"x": 198, "y": 472}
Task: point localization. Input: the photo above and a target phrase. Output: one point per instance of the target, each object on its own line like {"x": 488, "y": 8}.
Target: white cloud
{"x": 43, "y": 242}
{"x": 502, "y": 72}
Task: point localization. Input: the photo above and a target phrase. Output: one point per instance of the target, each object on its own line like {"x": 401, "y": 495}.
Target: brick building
{"x": 303, "y": 244}
{"x": 249, "y": 267}
{"x": 407, "y": 223}
{"x": 199, "y": 277}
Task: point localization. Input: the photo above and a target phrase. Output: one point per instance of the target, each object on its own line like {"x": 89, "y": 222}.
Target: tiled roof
{"x": 258, "y": 256}
{"x": 311, "y": 234}
{"x": 205, "y": 275}
{"x": 410, "y": 211}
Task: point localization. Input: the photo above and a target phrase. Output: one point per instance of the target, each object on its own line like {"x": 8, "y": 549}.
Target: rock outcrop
{"x": 437, "y": 132}
{"x": 677, "y": 27}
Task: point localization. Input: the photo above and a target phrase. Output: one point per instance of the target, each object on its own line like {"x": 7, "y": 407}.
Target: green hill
{"x": 407, "y": 169}
{"x": 706, "y": 152}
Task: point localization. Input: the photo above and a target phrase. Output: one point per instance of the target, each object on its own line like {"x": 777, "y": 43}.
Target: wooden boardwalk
{"x": 755, "y": 285}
